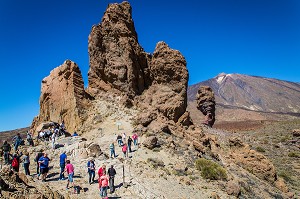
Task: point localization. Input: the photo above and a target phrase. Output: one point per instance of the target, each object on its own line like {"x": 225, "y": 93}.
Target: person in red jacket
{"x": 101, "y": 170}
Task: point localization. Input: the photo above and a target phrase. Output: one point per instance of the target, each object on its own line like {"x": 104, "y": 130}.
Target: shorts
{"x": 44, "y": 170}
{"x": 70, "y": 177}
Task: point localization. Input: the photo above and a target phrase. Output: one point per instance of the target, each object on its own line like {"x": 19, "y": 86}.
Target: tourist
{"x": 91, "y": 170}
{"x": 44, "y": 166}
{"x": 17, "y": 141}
{"x": 112, "y": 150}
{"x": 75, "y": 134}
{"x": 29, "y": 138}
{"x": 37, "y": 157}
{"x": 53, "y": 139}
{"x": 111, "y": 173}
{"x": 6, "y": 150}
{"x": 129, "y": 141}
{"x": 70, "y": 171}
{"x": 119, "y": 139}
{"x": 124, "y": 150}
{"x": 135, "y": 139}
{"x": 62, "y": 165}
{"x": 103, "y": 185}
{"x": 124, "y": 138}
{"x": 26, "y": 163}
{"x": 15, "y": 164}
{"x": 100, "y": 171}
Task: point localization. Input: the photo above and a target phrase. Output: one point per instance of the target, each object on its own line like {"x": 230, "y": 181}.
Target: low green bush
{"x": 210, "y": 170}
{"x": 294, "y": 155}
{"x": 260, "y": 149}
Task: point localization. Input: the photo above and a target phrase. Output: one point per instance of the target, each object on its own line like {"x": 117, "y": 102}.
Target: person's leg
{"x": 93, "y": 176}
{"x": 90, "y": 177}
{"x": 28, "y": 168}
{"x": 6, "y": 157}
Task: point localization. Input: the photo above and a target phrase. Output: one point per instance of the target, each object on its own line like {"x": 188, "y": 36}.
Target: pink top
{"x": 103, "y": 181}
{"x": 135, "y": 136}
{"x": 69, "y": 168}
{"x": 124, "y": 148}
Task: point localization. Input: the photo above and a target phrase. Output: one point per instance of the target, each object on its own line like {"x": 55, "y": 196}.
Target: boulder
{"x": 233, "y": 188}
{"x": 94, "y": 150}
{"x": 150, "y": 142}
{"x": 63, "y": 97}
{"x": 296, "y": 132}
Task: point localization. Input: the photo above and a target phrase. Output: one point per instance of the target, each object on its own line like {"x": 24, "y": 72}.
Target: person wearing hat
{"x": 62, "y": 165}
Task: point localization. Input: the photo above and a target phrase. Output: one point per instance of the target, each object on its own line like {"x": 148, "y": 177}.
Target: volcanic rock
{"x": 150, "y": 142}
{"x": 63, "y": 97}
{"x": 117, "y": 61}
{"x": 206, "y": 104}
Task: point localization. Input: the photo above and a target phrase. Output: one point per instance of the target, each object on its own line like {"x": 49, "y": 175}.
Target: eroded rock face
{"x": 117, "y": 61}
{"x": 206, "y": 104}
{"x": 63, "y": 97}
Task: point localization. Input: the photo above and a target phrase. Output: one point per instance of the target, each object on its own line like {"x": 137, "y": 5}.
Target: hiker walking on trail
{"x": 100, "y": 171}
{"x": 124, "y": 150}
{"x": 129, "y": 141}
{"x": 135, "y": 139}
{"x": 26, "y": 163}
{"x": 6, "y": 150}
{"x": 17, "y": 141}
{"x": 111, "y": 173}
{"x": 119, "y": 139}
{"x": 62, "y": 165}
{"x": 103, "y": 185}
{"x": 91, "y": 170}
{"x": 70, "y": 171}
{"x": 44, "y": 166}
{"x": 37, "y": 157}
{"x": 112, "y": 150}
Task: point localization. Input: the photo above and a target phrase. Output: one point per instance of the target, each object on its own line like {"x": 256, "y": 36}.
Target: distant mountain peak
{"x": 252, "y": 93}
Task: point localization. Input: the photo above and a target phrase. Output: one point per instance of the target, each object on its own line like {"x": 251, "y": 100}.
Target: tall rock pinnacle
{"x": 117, "y": 61}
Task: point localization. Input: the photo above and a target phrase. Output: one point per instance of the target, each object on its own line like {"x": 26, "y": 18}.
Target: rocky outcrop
{"x": 117, "y": 61}
{"x": 206, "y": 104}
{"x": 150, "y": 142}
{"x": 254, "y": 162}
{"x": 63, "y": 97}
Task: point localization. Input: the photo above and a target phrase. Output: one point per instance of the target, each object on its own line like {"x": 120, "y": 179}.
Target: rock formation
{"x": 63, "y": 97}
{"x": 117, "y": 61}
{"x": 206, "y": 104}
{"x": 169, "y": 77}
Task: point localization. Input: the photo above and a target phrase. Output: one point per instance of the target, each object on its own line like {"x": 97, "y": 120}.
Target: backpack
{"x": 15, "y": 163}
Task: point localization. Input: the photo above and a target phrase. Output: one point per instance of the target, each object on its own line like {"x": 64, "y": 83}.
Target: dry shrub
{"x": 210, "y": 170}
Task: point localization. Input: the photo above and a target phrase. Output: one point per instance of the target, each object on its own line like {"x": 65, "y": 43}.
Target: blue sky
{"x": 253, "y": 37}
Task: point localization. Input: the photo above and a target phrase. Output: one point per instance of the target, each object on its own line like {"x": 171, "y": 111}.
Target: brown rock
{"x": 185, "y": 119}
{"x": 214, "y": 195}
{"x": 235, "y": 142}
{"x": 206, "y": 104}
{"x": 63, "y": 97}
{"x": 150, "y": 142}
{"x": 94, "y": 150}
{"x": 117, "y": 61}
{"x": 280, "y": 184}
{"x": 233, "y": 188}
{"x": 296, "y": 132}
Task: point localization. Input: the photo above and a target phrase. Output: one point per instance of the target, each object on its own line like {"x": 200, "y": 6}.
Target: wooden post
{"x": 123, "y": 175}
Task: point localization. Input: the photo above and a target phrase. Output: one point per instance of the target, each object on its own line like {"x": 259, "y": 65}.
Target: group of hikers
{"x": 105, "y": 177}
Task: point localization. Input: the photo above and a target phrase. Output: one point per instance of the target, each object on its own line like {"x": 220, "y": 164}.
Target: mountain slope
{"x": 253, "y": 93}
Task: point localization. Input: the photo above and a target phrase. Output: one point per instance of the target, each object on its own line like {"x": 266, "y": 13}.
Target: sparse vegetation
{"x": 210, "y": 170}
{"x": 285, "y": 175}
{"x": 294, "y": 155}
{"x": 155, "y": 162}
{"x": 260, "y": 149}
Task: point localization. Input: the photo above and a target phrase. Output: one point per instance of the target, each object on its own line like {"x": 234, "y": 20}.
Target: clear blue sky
{"x": 254, "y": 37}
